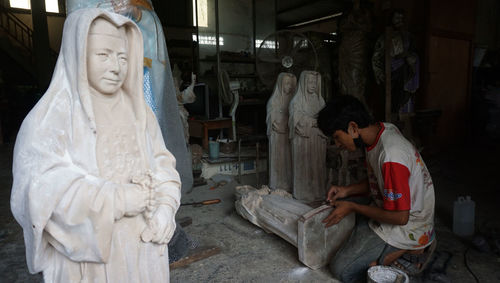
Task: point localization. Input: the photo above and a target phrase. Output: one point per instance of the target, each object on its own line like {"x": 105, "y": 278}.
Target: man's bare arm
{"x": 342, "y": 208}
{"x": 337, "y": 192}
{"x": 395, "y": 217}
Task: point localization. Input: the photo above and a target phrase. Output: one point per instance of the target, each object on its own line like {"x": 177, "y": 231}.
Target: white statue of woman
{"x": 158, "y": 84}
{"x": 308, "y": 142}
{"x": 280, "y": 156}
{"x": 95, "y": 189}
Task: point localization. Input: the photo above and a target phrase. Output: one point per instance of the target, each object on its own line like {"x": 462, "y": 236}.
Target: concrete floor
{"x": 248, "y": 254}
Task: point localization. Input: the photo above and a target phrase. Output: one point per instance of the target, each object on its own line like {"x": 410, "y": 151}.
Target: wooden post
{"x": 41, "y": 45}
{"x": 388, "y": 61}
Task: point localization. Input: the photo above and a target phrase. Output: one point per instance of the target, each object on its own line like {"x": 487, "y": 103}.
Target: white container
{"x": 463, "y": 216}
{"x": 386, "y": 274}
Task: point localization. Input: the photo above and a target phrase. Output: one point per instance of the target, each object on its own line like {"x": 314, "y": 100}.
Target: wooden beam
{"x": 388, "y": 61}
{"x": 194, "y": 256}
{"x": 315, "y": 10}
{"x": 315, "y": 21}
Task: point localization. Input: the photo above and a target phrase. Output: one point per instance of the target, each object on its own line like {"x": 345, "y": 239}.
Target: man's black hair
{"x": 340, "y": 111}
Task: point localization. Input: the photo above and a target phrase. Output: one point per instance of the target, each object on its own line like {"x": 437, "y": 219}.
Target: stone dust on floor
{"x": 248, "y": 254}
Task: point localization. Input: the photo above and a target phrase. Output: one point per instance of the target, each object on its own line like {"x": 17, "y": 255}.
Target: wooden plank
{"x": 195, "y": 255}
{"x": 388, "y": 60}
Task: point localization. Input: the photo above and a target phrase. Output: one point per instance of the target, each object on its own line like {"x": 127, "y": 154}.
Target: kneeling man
{"x": 398, "y": 226}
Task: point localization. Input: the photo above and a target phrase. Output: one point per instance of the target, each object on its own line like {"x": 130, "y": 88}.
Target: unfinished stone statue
{"x": 183, "y": 97}
{"x": 280, "y": 156}
{"x": 276, "y": 211}
{"x": 308, "y": 142}
{"x": 95, "y": 189}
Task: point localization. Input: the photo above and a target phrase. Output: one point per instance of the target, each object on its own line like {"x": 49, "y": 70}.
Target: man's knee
{"x": 346, "y": 274}
{"x": 347, "y": 269}
{"x": 339, "y": 269}
{"x": 335, "y": 268}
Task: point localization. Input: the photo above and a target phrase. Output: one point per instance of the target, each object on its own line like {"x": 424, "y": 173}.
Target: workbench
{"x": 199, "y": 128}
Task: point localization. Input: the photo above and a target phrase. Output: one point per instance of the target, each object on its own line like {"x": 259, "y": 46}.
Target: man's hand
{"x": 341, "y": 209}
{"x": 336, "y": 192}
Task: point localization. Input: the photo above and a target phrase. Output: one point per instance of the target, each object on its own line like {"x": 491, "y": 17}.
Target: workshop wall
{"x": 444, "y": 32}
{"x": 488, "y": 24}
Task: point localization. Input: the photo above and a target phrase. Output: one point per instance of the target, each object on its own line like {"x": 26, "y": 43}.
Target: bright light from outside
{"x": 303, "y": 43}
{"x": 208, "y": 40}
{"x": 21, "y": 4}
{"x": 268, "y": 44}
{"x": 202, "y": 13}
{"x": 51, "y": 6}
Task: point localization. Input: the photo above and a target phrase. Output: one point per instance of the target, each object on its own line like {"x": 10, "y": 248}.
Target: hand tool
{"x": 205, "y": 202}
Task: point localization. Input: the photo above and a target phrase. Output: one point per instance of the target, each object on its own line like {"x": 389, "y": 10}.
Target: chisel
{"x": 205, "y": 202}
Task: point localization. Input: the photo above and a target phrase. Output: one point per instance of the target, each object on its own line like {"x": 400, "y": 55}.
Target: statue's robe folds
{"x": 159, "y": 86}
{"x": 308, "y": 142}
{"x": 280, "y": 155}
{"x": 68, "y": 168}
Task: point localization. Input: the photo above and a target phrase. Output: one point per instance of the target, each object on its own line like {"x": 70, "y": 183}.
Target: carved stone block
{"x": 297, "y": 223}
{"x": 317, "y": 244}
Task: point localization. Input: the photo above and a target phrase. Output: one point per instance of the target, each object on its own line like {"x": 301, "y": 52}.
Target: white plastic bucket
{"x": 386, "y": 274}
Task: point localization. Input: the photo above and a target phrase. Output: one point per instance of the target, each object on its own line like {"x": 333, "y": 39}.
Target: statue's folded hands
{"x": 161, "y": 226}
{"x": 130, "y": 200}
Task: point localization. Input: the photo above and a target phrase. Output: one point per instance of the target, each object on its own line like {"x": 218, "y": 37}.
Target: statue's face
{"x": 312, "y": 83}
{"x": 397, "y": 20}
{"x": 107, "y": 57}
{"x": 287, "y": 85}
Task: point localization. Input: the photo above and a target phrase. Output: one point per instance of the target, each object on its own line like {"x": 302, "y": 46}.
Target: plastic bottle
{"x": 463, "y": 216}
{"x": 213, "y": 149}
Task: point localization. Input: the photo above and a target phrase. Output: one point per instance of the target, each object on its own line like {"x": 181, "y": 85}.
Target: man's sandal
{"x": 414, "y": 264}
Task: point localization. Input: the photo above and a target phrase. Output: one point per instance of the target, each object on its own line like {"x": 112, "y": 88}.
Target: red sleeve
{"x": 396, "y": 186}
